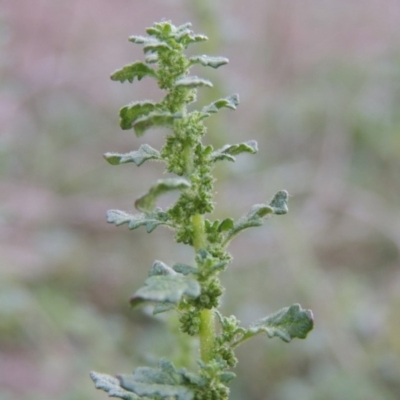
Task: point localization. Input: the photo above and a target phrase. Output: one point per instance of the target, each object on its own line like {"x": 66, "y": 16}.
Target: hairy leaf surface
{"x": 138, "y": 157}
{"x": 147, "y": 202}
{"x": 154, "y": 119}
{"x": 192, "y": 82}
{"x": 230, "y": 102}
{"x": 150, "y": 219}
{"x": 164, "y": 382}
{"x": 112, "y": 386}
{"x": 287, "y": 323}
{"x": 133, "y": 111}
{"x": 228, "y": 151}
{"x": 136, "y": 70}
{"x": 209, "y": 61}
{"x": 166, "y": 288}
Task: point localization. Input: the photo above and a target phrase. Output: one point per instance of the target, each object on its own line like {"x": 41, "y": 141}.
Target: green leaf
{"x": 133, "y": 111}
{"x": 287, "y": 324}
{"x": 150, "y": 220}
{"x": 150, "y": 45}
{"x": 228, "y": 102}
{"x": 226, "y": 225}
{"x": 166, "y": 289}
{"x": 164, "y": 382}
{"x": 228, "y": 151}
{"x": 153, "y": 119}
{"x": 253, "y": 218}
{"x": 161, "y": 29}
{"x": 138, "y": 157}
{"x": 192, "y": 82}
{"x": 209, "y": 61}
{"x": 279, "y": 202}
{"x": 227, "y": 376}
{"x": 256, "y": 215}
{"x": 185, "y": 269}
{"x": 130, "y": 72}
{"x": 185, "y": 36}
{"x": 112, "y": 386}
{"x": 159, "y": 268}
{"x": 147, "y": 202}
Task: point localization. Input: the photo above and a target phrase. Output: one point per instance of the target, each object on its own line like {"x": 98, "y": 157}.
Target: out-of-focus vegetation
{"x": 326, "y": 80}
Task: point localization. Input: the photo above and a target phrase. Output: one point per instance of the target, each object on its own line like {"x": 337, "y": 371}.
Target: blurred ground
{"x": 319, "y": 83}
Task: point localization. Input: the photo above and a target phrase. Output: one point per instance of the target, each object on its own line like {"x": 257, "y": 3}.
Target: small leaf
{"x": 279, "y": 203}
{"x": 147, "y": 202}
{"x": 133, "y": 111}
{"x": 227, "y": 376}
{"x": 159, "y": 268}
{"x": 138, "y": 157}
{"x": 228, "y": 102}
{"x": 161, "y": 29}
{"x": 112, "y": 386}
{"x": 228, "y": 151}
{"x": 164, "y": 382}
{"x": 218, "y": 267}
{"x": 251, "y": 219}
{"x": 185, "y": 269}
{"x": 154, "y": 119}
{"x": 166, "y": 288}
{"x": 287, "y": 324}
{"x": 150, "y": 45}
{"x": 192, "y": 82}
{"x": 226, "y": 225}
{"x": 150, "y": 220}
{"x": 130, "y": 72}
{"x": 209, "y": 61}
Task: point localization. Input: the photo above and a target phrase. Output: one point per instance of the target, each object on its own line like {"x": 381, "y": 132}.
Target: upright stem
{"x": 207, "y": 327}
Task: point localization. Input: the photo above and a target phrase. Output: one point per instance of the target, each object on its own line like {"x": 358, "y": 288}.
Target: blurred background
{"x": 319, "y": 83}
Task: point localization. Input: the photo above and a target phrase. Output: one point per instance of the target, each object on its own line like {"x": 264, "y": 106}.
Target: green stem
{"x": 198, "y": 232}
{"x": 207, "y": 326}
{"x": 207, "y": 335}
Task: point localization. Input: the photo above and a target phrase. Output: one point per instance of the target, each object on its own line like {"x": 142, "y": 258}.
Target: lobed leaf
{"x": 287, "y": 324}
{"x": 192, "y": 82}
{"x": 255, "y": 217}
{"x": 147, "y": 202}
{"x": 150, "y": 220}
{"x": 208, "y": 61}
{"x": 136, "y": 70}
{"x": 133, "y": 111}
{"x": 166, "y": 289}
{"x": 150, "y": 45}
{"x": 112, "y": 386}
{"x": 164, "y": 382}
{"x": 185, "y": 36}
{"x": 161, "y": 29}
{"x": 153, "y": 119}
{"x": 228, "y": 102}
{"x": 138, "y": 157}
{"x": 228, "y": 151}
